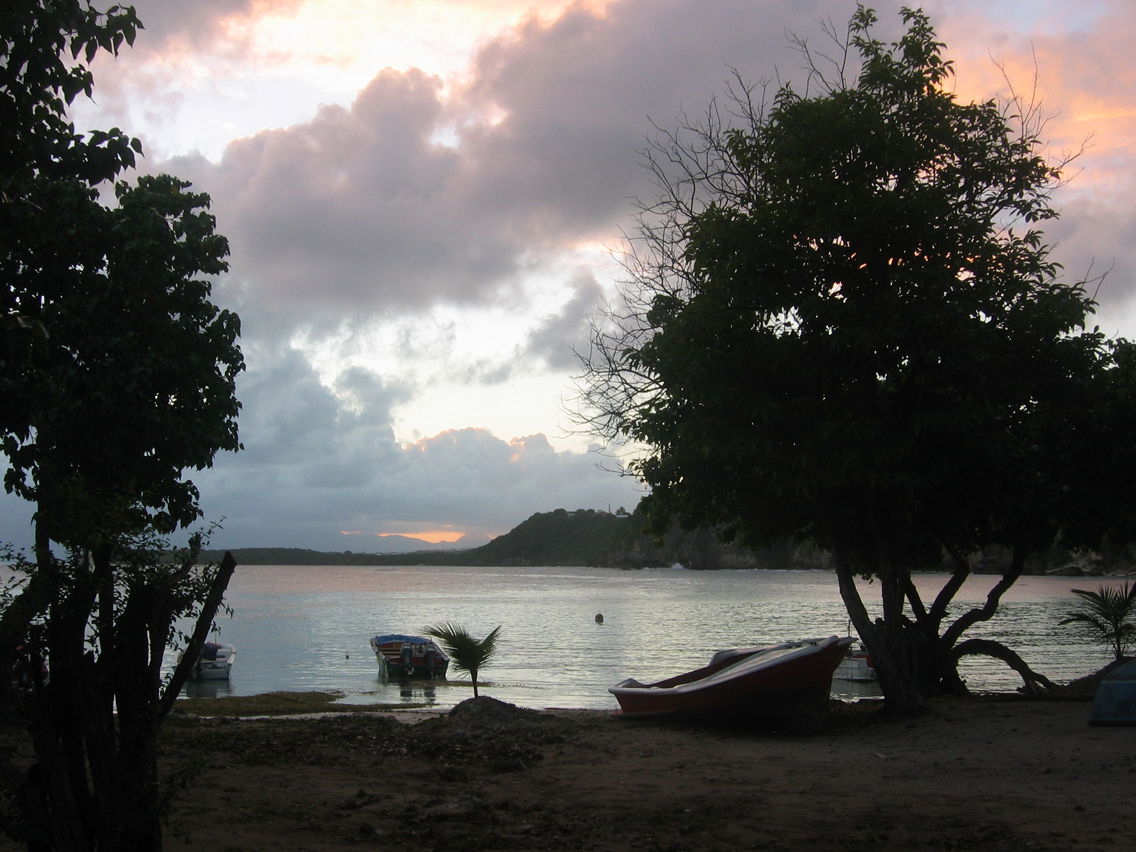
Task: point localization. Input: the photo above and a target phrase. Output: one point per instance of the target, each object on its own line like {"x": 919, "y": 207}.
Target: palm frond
{"x": 467, "y": 653}
{"x": 1105, "y": 615}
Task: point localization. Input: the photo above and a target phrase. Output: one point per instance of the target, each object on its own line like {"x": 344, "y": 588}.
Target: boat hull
{"x": 402, "y": 656}
{"x": 212, "y": 671}
{"x": 214, "y": 663}
{"x": 788, "y": 683}
{"x": 857, "y": 667}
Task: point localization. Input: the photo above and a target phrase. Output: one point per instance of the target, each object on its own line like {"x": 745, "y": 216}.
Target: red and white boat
{"x": 786, "y": 683}
{"x": 402, "y": 656}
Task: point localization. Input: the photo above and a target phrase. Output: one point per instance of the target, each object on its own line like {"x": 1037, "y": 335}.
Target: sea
{"x": 303, "y": 628}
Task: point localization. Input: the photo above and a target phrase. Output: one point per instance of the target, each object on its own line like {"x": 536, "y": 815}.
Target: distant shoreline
{"x": 594, "y": 538}
{"x": 292, "y": 557}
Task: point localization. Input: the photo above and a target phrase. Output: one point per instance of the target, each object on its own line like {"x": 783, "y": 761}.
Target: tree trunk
{"x": 95, "y": 725}
{"x": 890, "y": 656}
{"x": 201, "y": 630}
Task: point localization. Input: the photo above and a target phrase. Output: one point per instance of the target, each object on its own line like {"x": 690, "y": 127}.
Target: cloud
{"x": 358, "y": 211}
{"x": 202, "y": 23}
{"x": 1074, "y": 66}
{"x": 318, "y": 461}
{"x": 561, "y": 335}
{"x": 404, "y": 232}
{"x": 421, "y": 193}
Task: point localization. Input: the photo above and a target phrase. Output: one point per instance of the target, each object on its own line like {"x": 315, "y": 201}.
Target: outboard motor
{"x": 404, "y": 658}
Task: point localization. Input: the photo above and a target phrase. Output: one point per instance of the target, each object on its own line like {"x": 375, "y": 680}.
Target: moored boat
{"x": 856, "y": 666}
{"x": 402, "y": 656}
{"x": 215, "y": 662}
{"x": 787, "y": 684}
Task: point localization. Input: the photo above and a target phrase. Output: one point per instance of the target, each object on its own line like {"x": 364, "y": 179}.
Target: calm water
{"x": 306, "y": 628}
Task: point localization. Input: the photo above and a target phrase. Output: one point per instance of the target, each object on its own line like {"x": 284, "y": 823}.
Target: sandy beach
{"x": 991, "y": 773}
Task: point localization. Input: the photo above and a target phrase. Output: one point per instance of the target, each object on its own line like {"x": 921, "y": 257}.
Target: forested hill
{"x": 562, "y": 537}
{"x": 587, "y": 537}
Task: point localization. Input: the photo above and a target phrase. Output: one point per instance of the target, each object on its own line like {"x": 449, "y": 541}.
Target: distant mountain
{"x": 596, "y": 538}
{"x": 583, "y": 537}
{"x": 587, "y": 537}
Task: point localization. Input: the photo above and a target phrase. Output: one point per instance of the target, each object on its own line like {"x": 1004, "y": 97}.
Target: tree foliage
{"x": 135, "y": 380}
{"x": 842, "y": 323}
{"x": 118, "y": 373}
{"x": 47, "y": 47}
{"x": 45, "y": 50}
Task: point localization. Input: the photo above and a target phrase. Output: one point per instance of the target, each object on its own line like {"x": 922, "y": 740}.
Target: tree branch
{"x": 993, "y": 598}
{"x": 991, "y": 648}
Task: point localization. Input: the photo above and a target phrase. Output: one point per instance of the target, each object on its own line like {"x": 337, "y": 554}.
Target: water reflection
{"x": 854, "y": 690}
{"x": 418, "y": 691}
{"x": 208, "y": 689}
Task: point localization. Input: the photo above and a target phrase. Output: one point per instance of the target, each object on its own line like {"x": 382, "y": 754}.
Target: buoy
{"x": 599, "y": 618}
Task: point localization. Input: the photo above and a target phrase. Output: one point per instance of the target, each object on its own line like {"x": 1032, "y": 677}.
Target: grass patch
{"x": 278, "y": 704}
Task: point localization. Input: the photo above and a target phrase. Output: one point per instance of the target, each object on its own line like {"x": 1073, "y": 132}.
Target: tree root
{"x": 1031, "y": 680}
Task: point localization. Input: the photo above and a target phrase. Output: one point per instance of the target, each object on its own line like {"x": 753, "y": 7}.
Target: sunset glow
{"x": 433, "y": 537}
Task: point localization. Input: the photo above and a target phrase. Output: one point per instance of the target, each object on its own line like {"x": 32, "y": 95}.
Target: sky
{"x": 424, "y": 198}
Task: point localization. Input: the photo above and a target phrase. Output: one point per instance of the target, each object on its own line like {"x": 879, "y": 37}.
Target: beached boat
{"x": 215, "y": 662}
{"x": 402, "y": 656}
{"x": 785, "y": 684}
{"x": 856, "y": 666}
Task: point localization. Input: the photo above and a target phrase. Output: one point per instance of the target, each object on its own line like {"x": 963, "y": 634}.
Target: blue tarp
{"x": 402, "y": 637}
{"x": 1115, "y": 699}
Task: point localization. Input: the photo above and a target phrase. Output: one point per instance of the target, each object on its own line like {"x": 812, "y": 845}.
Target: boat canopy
{"x": 402, "y": 637}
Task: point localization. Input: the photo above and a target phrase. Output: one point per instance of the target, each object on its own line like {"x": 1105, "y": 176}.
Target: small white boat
{"x": 856, "y": 666}
{"x": 215, "y": 662}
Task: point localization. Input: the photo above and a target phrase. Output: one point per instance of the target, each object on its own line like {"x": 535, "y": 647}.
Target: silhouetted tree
{"x": 842, "y": 324}
{"x": 118, "y": 375}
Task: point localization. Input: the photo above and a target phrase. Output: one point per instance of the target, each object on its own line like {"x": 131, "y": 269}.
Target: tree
{"x": 41, "y": 42}
{"x": 468, "y": 654}
{"x": 119, "y": 375}
{"x": 841, "y": 324}
{"x": 137, "y": 378}
{"x": 1105, "y": 615}
{"x": 40, "y": 75}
